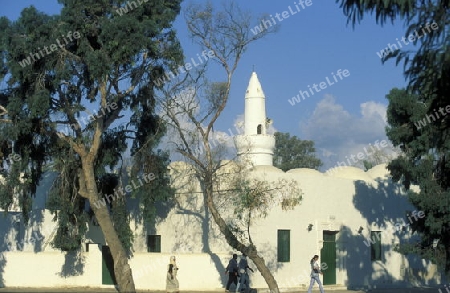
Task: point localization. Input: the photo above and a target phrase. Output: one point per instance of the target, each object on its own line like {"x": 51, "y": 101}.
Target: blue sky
{"x": 341, "y": 119}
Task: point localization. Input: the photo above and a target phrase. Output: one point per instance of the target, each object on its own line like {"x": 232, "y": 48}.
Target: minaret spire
{"x": 255, "y": 107}
{"x": 255, "y": 146}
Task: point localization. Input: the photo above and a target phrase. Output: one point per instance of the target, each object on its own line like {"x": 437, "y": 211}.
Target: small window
{"x": 153, "y": 243}
{"x": 284, "y": 245}
{"x": 375, "y": 246}
{"x": 259, "y": 129}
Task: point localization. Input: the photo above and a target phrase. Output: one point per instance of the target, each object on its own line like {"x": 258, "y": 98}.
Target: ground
{"x": 333, "y": 290}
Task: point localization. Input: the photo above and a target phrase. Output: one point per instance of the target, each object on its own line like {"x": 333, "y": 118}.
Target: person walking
{"x": 315, "y": 272}
{"x": 232, "y": 271}
{"x": 244, "y": 280}
{"x": 172, "y": 285}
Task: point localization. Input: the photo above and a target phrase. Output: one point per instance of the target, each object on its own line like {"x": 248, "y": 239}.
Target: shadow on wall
{"x": 2, "y": 269}
{"x": 18, "y": 237}
{"x": 73, "y": 261}
{"x": 380, "y": 205}
{"x": 192, "y": 205}
{"x": 73, "y": 264}
{"x": 362, "y": 272}
{"x": 140, "y": 200}
{"x": 5, "y": 246}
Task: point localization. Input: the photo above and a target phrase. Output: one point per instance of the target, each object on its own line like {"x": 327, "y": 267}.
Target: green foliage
{"x": 214, "y": 93}
{"x": 367, "y": 165}
{"x": 66, "y": 204}
{"x": 291, "y": 152}
{"x": 385, "y": 10}
{"x": 253, "y": 198}
{"x": 114, "y": 143}
{"x": 425, "y": 163}
{"x": 121, "y": 220}
{"x": 147, "y": 161}
{"x": 70, "y": 231}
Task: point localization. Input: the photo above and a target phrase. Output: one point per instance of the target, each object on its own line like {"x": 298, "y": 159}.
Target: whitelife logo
{"x": 323, "y": 85}
{"x": 53, "y": 47}
{"x": 398, "y": 226}
{"x": 267, "y": 23}
{"x": 391, "y": 48}
{"x": 120, "y": 191}
{"x": 359, "y": 156}
{"x": 12, "y": 158}
{"x": 422, "y": 123}
{"x": 90, "y": 118}
{"x": 124, "y": 10}
{"x": 186, "y": 67}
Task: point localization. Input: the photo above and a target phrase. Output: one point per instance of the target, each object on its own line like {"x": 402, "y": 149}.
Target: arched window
{"x": 259, "y": 129}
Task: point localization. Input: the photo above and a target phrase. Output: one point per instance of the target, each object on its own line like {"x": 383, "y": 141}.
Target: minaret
{"x": 255, "y": 146}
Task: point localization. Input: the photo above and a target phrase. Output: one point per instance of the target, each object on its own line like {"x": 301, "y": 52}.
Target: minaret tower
{"x": 255, "y": 146}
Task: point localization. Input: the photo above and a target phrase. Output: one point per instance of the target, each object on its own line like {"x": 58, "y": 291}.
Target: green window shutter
{"x": 153, "y": 243}
{"x": 284, "y": 245}
{"x": 375, "y": 247}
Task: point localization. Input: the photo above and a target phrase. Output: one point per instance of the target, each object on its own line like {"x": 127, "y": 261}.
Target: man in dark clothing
{"x": 232, "y": 270}
{"x": 244, "y": 281}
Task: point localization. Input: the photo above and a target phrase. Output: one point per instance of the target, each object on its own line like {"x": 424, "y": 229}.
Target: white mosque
{"x": 351, "y": 218}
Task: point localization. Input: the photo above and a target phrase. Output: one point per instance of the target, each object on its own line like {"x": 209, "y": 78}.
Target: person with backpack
{"x": 315, "y": 273}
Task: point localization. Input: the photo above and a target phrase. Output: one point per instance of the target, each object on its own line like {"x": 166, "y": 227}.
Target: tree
{"x": 425, "y": 164}
{"x": 192, "y": 115}
{"x": 54, "y": 71}
{"x": 417, "y": 116}
{"x": 380, "y": 156}
{"x": 291, "y": 152}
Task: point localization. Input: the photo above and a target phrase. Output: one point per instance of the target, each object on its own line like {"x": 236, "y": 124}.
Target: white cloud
{"x": 338, "y": 134}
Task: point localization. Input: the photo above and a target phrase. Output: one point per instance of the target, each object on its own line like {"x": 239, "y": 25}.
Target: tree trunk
{"x": 236, "y": 244}
{"x": 264, "y": 270}
{"x": 122, "y": 270}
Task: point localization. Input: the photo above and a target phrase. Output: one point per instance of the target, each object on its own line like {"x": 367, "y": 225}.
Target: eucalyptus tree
{"x": 77, "y": 94}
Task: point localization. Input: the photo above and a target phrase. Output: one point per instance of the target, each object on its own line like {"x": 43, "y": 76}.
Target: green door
{"x": 107, "y": 267}
{"x": 328, "y": 256}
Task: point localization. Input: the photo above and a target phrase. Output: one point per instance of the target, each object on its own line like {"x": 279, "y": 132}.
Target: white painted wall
{"x": 197, "y": 271}
{"x": 47, "y": 269}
